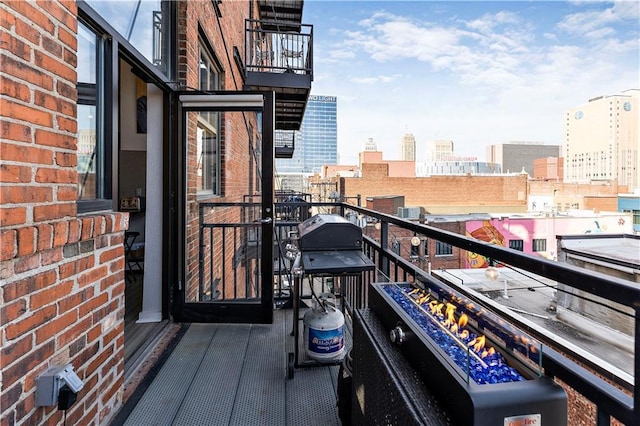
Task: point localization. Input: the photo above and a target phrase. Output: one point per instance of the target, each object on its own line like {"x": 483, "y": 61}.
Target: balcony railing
{"x": 612, "y": 390}
{"x": 279, "y": 56}
{"x": 276, "y": 50}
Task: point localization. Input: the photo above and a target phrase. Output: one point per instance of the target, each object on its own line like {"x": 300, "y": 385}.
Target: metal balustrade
{"x": 613, "y": 392}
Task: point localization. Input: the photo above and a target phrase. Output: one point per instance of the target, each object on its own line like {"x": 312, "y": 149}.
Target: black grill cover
{"x": 328, "y": 232}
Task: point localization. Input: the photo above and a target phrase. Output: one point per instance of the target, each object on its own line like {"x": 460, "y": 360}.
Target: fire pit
{"x": 482, "y": 369}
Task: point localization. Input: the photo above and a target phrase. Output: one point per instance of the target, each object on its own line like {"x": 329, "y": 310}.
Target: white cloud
{"x": 375, "y": 79}
{"x": 488, "y": 22}
{"x": 600, "y": 33}
{"x": 584, "y": 23}
{"x": 476, "y": 80}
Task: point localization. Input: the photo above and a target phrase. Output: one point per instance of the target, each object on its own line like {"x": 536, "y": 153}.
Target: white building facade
{"x": 601, "y": 140}
{"x": 408, "y": 147}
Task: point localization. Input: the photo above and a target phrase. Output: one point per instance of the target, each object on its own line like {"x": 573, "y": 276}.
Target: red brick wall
{"x": 62, "y": 291}
{"x": 548, "y": 168}
{"x": 388, "y": 205}
{"x": 443, "y": 194}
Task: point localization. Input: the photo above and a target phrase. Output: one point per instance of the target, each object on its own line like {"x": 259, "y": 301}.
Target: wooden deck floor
{"x": 235, "y": 374}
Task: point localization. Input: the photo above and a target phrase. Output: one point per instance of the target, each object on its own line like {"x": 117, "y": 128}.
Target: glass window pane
{"x": 207, "y": 167}
{"x": 90, "y": 165}
{"x": 86, "y": 55}
{"x": 87, "y": 153}
{"x": 204, "y": 71}
{"x": 208, "y": 143}
{"x": 145, "y": 24}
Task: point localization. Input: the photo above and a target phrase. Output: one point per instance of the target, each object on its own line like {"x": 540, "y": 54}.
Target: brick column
{"x": 61, "y": 275}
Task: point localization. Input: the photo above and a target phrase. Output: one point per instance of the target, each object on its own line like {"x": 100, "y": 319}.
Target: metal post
{"x": 384, "y": 245}
{"x": 603, "y": 419}
{"x": 636, "y": 368}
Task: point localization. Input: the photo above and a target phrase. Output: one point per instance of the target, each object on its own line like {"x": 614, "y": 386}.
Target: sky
{"x": 474, "y": 72}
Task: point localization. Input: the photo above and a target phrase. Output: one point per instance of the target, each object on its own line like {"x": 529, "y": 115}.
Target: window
{"x": 147, "y": 25}
{"x": 395, "y": 247}
{"x": 208, "y": 137}
{"x": 443, "y": 249}
{"x": 94, "y": 141}
{"x": 539, "y": 244}
{"x": 516, "y": 245}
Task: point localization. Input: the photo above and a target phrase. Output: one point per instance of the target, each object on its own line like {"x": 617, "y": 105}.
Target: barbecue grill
{"x": 328, "y": 246}
{"x": 479, "y": 369}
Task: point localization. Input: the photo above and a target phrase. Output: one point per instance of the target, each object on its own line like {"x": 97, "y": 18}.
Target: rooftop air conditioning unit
{"x": 410, "y": 212}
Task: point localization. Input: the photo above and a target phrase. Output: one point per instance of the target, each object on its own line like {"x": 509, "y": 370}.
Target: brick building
{"x": 550, "y": 196}
{"x": 548, "y": 168}
{"x": 442, "y": 194}
{"x": 115, "y": 128}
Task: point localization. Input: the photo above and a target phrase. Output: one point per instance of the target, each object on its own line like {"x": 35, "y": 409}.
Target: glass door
{"x": 224, "y": 207}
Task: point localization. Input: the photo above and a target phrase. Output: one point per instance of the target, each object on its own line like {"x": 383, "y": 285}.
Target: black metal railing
{"x": 612, "y": 391}
{"x": 228, "y": 253}
{"x": 272, "y": 47}
{"x": 284, "y": 143}
{"x": 615, "y": 397}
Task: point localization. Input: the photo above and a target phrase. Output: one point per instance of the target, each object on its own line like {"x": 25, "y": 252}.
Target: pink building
{"x": 537, "y": 235}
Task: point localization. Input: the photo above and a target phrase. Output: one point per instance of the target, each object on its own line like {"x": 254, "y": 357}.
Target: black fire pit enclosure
{"x": 532, "y": 400}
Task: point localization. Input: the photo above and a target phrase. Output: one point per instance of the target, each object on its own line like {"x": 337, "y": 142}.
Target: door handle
{"x": 265, "y": 221}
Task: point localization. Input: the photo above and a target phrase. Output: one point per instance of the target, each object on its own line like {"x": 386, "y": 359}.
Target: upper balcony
{"x": 279, "y": 57}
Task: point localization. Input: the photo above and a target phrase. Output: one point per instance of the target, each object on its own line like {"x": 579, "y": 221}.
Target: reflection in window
{"x": 145, "y": 24}
{"x": 87, "y": 153}
{"x": 443, "y": 249}
{"x": 91, "y": 159}
{"x": 208, "y": 142}
{"x": 207, "y": 148}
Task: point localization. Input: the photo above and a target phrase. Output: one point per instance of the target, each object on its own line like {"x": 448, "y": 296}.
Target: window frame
{"x": 99, "y": 94}
{"x": 516, "y": 245}
{"x": 204, "y": 121}
{"x": 443, "y": 249}
{"x": 537, "y": 242}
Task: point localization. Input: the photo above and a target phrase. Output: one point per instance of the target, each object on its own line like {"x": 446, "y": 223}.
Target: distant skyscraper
{"x": 602, "y": 140}
{"x": 316, "y": 143}
{"x": 408, "y": 147}
{"x": 439, "y": 150}
{"x": 370, "y": 145}
{"x": 518, "y": 156}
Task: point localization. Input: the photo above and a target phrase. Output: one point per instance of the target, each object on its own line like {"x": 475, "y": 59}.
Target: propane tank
{"x": 324, "y": 330}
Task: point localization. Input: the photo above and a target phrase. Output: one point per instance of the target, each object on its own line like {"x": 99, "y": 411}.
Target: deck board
{"x": 235, "y": 374}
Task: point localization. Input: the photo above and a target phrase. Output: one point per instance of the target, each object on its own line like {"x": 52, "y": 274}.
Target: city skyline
{"x": 477, "y": 73}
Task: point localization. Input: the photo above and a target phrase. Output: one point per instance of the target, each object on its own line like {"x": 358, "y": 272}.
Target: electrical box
{"x": 48, "y": 384}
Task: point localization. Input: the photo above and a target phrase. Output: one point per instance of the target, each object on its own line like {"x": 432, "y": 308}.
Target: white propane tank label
{"x": 324, "y": 333}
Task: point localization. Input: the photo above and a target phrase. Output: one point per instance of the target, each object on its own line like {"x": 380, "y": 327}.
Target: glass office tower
{"x": 316, "y": 143}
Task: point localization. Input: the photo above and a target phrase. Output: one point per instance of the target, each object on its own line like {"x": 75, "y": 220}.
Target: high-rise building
{"x": 316, "y": 143}
{"x": 518, "y": 156}
{"x": 602, "y": 140}
{"x": 408, "y": 147}
{"x": 439, "y": 150}
{"x": 370, "y": 145}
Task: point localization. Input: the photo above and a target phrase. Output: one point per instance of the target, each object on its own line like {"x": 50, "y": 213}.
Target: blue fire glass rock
{"x": 494, "y": 370}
